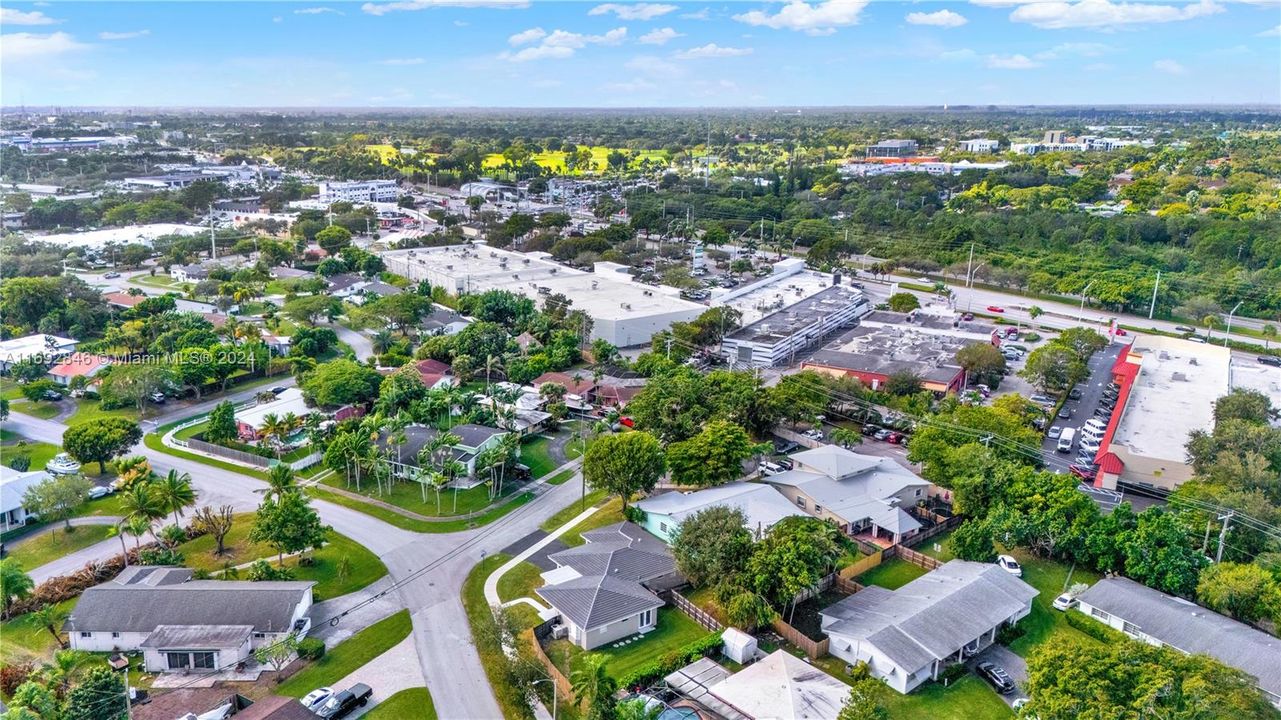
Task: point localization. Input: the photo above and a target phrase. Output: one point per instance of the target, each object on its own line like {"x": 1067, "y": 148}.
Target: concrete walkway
{"x": 491, "y": 582}
{"x": 389, "y": 673}
{"x": 382, "y": 604}
{"x": 526, "y": 601}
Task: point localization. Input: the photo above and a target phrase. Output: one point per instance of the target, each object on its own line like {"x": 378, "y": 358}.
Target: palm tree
{"x": 14, "y": 584}
{"x": 1269, "y": 333}
{"x": 51, "y": 617}
{"x": 1210, "y": 322}
{"x": 141, "y": 503}
{"x": 280, "y": 480}
{"x": 117, "y": 531}
{"x": 174, "y": 492}
{"x": 591, "y": 682}
{"x": 492, "y": 363}
{"x": 381, "y": 341}
{"x": 137, "y": 527}
{"x": 270, "y": 427}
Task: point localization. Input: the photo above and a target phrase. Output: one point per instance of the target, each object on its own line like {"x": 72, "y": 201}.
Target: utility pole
{"x": 1152, "y": 308}
{"x": 1223, "y": 535}
{"x": 669, "y": 347}
{"x": 1228, "y": 332}
{"x": 969, "y": 267}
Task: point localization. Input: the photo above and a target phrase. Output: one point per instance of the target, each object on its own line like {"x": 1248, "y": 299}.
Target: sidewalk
{"x": 491, "y": 582}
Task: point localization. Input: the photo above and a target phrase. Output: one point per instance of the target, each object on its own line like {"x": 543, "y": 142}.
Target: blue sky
{"x": 441, "y": 53}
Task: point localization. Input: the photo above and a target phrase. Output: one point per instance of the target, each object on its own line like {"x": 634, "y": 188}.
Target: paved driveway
{"x": 1014, "y": 665}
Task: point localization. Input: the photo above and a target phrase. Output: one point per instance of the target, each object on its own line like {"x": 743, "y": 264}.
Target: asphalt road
{"x": 1082, "y": 410}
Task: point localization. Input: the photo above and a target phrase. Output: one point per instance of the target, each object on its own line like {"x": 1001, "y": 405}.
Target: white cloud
{"x": 1274, "y": 32}
{"x": 123, "y": 35}
{"x": 28, "y": 46}
{"x": 318, "y": 11}
{"x": 821, "y": 18}
{"x": 958, "y": 55}
{"x": 10, "y": 16}
{"x": 1105, "y": 14}
{"x": 277, "y": 19}
{"x": 388, "y": 7}
{"x": 711, "y": 50}
{"x": 660, "y": 36}
{"x": 634, "y": 11}
{"x": 1074, "y": 49}
{"x": 941, "y": 18}
{"x": 526, "y": 37}
{"x": 403, "y": 61}
{"x": 1170, "y": 67}
{"x": 559, "y": 44}
{"x": 1011, "y": 62}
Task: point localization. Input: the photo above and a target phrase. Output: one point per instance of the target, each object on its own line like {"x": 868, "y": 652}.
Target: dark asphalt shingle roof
{"x": 113, "y": 607}
{"x": 1190, "y": 628}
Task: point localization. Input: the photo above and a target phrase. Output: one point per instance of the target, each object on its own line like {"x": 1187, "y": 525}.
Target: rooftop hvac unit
{"x": 449, "y": 267}
{"x": 493, "y": 254}
{"x": 525, "y": 260}
{"x": 515, "y": 276}
{"x": 593, "y": 284}
{"x": 554, "y": 270}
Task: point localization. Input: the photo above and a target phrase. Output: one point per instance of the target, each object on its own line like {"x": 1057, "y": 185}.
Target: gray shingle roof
{"x": 1190, "y": 628}
{"x": 139, "y": 607}
{"x": 197, "y": 637}
{"x": 612, "y": 564}
{"x": 931, "y": 617}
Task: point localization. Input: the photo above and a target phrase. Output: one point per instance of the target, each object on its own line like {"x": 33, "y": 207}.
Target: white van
{"x": 1092, "y": 432}
{"x": 1067, "y": 440}
{"x": 1095, "y": 423}
{"x": 770, "y": 468}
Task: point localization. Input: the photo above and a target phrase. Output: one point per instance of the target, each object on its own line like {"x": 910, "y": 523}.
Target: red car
{"x": 627, "y": 422}
{"x": 995, "y": 308}
{"x": 1085, "y": 472}
{"x": 1120, "y": 332}
{"x": 897, "y": 438}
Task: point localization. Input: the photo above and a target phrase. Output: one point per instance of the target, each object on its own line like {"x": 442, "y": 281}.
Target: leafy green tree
{"x": 15, "y": 584}
{"x": 51, "y": 617}
{"x": 342, "y": 382}
{"x": 100, "y": 695}
{"x": 973, "y": 540}
{"x": 1158, "y": 554}
{"x": 982, "y": 362}
{"x": 277, "y": 654}
{"x": 795, "y": 555}
{"x": 221, "y": 425}
{"x": 1045, "y": 512}
{"x": 712, "y": 544}
{"x": 333, "y": 238}
{"x": 28, "y": 370}
{"x": 1084, "y": 342}
{"x": 1246, "y": 592}
{"x": 288, "y": 524}
{"x": 715, "y": 456}
{"x": 594, "y": 687}
{"x": 638, "y": 709}
{"x": 35, "y": 701}
{"x": 904, "y": 302}
{"x": 624, "y": 464}
{"x": 952, "y": 445}
{"x": 904, "y": 384}
{"x": 56, "y": 497}
{"x": 1054, "y": 367}
{"x": 864, "y": 701}
{"x": 101, "y": 440}
{"x": 310, "y": 308}
{"x": 1246, "y": 405}
{"x": 36, "y": 391}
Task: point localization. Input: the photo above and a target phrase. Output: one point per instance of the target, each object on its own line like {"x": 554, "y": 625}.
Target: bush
{"x": 262, "y": 571}
{"x": 1093, "y": 628}
{"x": 1030, "y": 337}
{"x": 952, "y": 673}
{"x": 21, "y": 463}
{"x": 13, "y": 675}
{"x": 159, "y": 556}
{"x": 1009, "y": 633}
{"x": 311, "y": 648}
{"x": 634, "y": 514}
{"x": 670, "y": 662}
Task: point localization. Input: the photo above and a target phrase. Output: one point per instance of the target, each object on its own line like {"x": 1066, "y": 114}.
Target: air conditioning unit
{"x": 560, "y": 632}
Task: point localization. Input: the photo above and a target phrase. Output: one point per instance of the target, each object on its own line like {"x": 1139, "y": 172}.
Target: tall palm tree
{"x": 591, "y": 682}
{"x": 141, "y": 503}
{"x": 381, "y": 341}
{"x": 117, "y": 531}
{"x": 51, "y": 617}
{"x": 174, "y": 492}
{"x": 14, "y": 584}
{"x": 493, "y": 363}
{"x": 137, "y": 527}
{"x": 280, "y": 480}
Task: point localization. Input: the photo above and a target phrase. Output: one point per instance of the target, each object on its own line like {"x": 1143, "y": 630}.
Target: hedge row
{"x": 670, "y": 662}
{"x": 1093, "y": 628}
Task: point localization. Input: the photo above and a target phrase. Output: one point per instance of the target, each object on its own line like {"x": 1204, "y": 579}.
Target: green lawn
{"x": 969, "y": 698}
{"x": 413, "y": 525}
{"x": 39, "y": 452}
{"x": 1045, "y": 624}
{"x": 891, "y": 574}
{"x": 520, "y": 581}
{"x": 608, "y": 514}
{"x": 91, "y": 410}
{"x": 675, "y": 630}
{"x": 484, "y": 632}
{"x": 943, "y": 540}
{"x": 42, "y": 410}
{"x": 560, "y": 478}
{"x": 21, "y": 639}
{"x": 411, "y": 703}
{"x": 51, "y": 545}
{"x": 365, "y": 567}
{"x": 158, "y": 281}
{"x": 349, "y": 655}
{"x": 409, "y": 495}
{"x": 535, "y": 453}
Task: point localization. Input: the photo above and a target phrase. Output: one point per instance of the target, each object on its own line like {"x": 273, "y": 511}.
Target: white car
{"x": 1009, "y": 565}
{"x": 1064, "y": 602}
{"x": 315, "y": 698}
{"x": 1054, "y": 433}
{"x": 1089, "y": 444}
{"x": 100, "y": 491}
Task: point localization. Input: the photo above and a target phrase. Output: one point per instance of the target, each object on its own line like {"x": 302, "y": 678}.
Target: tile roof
{"x": 78, "y": 364}
{"x": 931, "y": 617}
{"x": 1190, "y": 628}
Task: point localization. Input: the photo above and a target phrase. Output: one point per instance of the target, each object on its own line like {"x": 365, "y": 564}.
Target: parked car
{"x": 784, "y": 447}
{"x": 1184, "y": 329}
{"x": 1272, "y": 360}
{"x": 967, "y": 317}
{"x": 1103, "y": 412}
{"x": 1089, "y": 444}
{"x": 785, "y": 463}
{"x": 111, "y": 275}
{"x": 51, "y": 395}
{"x": 627, "y": 422}
{"x": 996, "y": 676}
{"x": 1054, "y": 433}
{"x": 1064, "y": 602}
{"x": 1085, "y": 472}
{"x": 1065, "y": 413}
{"x": 99, "y": 491}
{"x": 157, "y": 398}
{"x": 995, "y": 308}
{"x": 1086, "y": 459}
{"x": 1075, "y": 393}
{"x": 277, "y": 389}
{"x": 897, "y": 438}
{"x": 770, "y": 468}
{"x": 869, "y": 430}
{"x": 1042, "y": 400}
{"x": 316, "y": 697}
{"x": 345, "y": 703}
{"x": 1009, "y": 565}
{"x": 813, "y": 434}
{"x": 881, "y": 434}
{"x": 1120, "y": 332}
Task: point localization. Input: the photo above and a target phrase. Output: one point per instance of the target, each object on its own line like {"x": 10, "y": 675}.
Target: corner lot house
{"x": 13, "y": 485}
{"x": 860, "y": 493}
{"x": 604, "y": 589}
{"x": 1159, "y": 619}
{"x": 186, "y": 625}
{"x": 762, "y": 505}
{"x": 250, "y": 421}
{"x": 472, "y": 441}
{"x": 908, "y": 636}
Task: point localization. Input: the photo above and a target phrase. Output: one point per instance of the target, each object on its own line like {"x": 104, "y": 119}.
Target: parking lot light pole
{"x": 1228, "y": 332}
{"x": 1080, "y": 316}
{"x": 549, "y": 680}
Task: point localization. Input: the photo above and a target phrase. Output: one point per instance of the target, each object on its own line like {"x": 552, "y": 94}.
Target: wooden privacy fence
{"x": 696, "y": 613}
{"x": 562, "y": 683}
{"x": 813, "y": 649}
{"x": 939, "y": 529}
{"x": 919, "y": 559}
{"x": 861, "y": 566}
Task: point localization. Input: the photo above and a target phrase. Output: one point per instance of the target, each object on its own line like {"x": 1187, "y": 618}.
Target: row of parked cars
{"x": 325, "y": 703}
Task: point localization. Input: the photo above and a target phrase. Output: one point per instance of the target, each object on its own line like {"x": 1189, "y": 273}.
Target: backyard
{"x": 25, "y": 640}
{"x": 675, "y": 630}
{"x": 1045, "y": 624}
{"x": 891, "y": 574}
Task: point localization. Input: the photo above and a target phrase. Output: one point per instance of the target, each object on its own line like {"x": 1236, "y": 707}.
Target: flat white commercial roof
{"x": 775, "y": 292}
{"x": 1249, "y": 374}
{"x": 44, "y": 347}
{"x": 1173, "y": 395}
{"x": 129, "y": 234}
{"x": 606, "y": 294}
